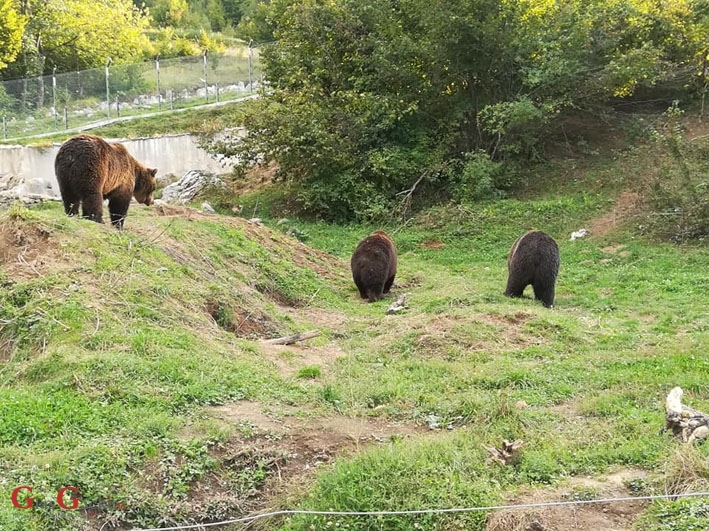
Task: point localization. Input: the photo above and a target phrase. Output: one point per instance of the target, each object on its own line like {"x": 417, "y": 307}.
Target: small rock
{"x": 433, "y": 422}
{"x": 578, "y": 234}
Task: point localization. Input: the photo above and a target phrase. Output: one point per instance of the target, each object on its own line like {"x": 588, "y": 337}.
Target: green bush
{"x": 679, "y": 197}
{"x": 366, "y": 97}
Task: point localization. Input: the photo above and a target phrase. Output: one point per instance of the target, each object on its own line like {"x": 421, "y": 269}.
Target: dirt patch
{"x": 516, "y": 320}
{"x": 296, "y": 423}
{"x": 249, "y": 324}
{"x": 322, "y": 319}
{"x": 618, "y": 250}
{"x": 290, "y": 359}
{"x": 433, "y": 244}
{"x": 608, "y": 516}
{"x": 167, "y": 210}
{"x": 311, "y": 434}
{"x": 275, "y": 453}
{"x": 250, "y": 413}
{"x": 27, "y": 250}
{"x": 626, "y": 205}
{"x": 460, "y": 336}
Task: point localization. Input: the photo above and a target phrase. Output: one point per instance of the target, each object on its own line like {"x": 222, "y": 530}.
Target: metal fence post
{"x": 4, "y": 128}
{"x": 251, "y": 88}
{"x": 108, "y": 96}
{"x": 66, "y": 119}
{"x": 206, "y": 87}
{"x": 54, "y": 96}
{"x": 157, "y": 70}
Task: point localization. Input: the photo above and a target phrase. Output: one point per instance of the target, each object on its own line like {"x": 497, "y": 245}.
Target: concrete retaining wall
{"x": 29, "y": 170}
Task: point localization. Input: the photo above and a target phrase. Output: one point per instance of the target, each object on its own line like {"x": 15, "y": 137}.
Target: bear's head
{"x": 145, "y": 185}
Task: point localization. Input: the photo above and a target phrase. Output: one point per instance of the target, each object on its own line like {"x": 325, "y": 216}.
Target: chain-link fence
{"x": 45, "y": 104}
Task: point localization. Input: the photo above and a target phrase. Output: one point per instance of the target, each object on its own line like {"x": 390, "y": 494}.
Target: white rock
{"x": 187, "y": 188}
{"x": 578, "y": 234}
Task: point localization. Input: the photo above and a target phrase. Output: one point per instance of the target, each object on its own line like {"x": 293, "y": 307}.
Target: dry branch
{"x": 685, "y": 422}
{"x": 507, "y": 454}
{"x": 406, "y": 202}
{"x": 289, "y": 340}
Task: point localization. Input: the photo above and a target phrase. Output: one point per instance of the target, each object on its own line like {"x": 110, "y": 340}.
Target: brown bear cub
{"x": 89, "y": 170}
{"x": 373, "y": 265}
{"x": 534, "y": 259}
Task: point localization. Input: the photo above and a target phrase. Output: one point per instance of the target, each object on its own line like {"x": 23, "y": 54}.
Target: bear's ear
{"x": 153, "y": 171}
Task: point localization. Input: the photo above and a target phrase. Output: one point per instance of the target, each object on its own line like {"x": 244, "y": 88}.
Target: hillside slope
{"x": 109, "y": 341}
{"x": 134, "y": 367}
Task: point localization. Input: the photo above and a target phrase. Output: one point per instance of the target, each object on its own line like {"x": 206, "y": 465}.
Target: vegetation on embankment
{"x": 133, "y": 366}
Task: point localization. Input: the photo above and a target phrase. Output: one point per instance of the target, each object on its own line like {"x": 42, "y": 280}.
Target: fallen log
{"x": 289, "y": 340}
{"x": 398, "y": 305}
{"x": 685, "y": 422}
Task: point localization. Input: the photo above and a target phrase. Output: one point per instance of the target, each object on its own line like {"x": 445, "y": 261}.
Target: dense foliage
{"x": 11, "y": 28}
{"x": 215, "y": 15}
{"x": 371, "y": 97}
{"x": 73, "y": 34}
{"x": 39, "y": 36}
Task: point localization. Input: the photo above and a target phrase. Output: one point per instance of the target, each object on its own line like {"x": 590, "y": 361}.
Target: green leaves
{"x": 370, "y": 95}
{"x": 12, "y": 25}
{"x": 71, "y": 35}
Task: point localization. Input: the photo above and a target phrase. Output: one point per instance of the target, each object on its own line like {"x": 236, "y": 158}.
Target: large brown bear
{"x": 373, "y": 265}
{"x": 534, "y": 259}
{"x": 89, "y": 170}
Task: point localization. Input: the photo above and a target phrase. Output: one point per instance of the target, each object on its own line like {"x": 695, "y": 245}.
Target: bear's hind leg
{"x": 92, "y": 207}
{"x": 361, "y": 288}
{"x": 544, "y": 293}
{"x": 515, "y": 288}
{"x": 388, "y": 284}
{"x": 118, "y": 207}
{"x": 70, "y": 199}
{"x": 71, "y": 206}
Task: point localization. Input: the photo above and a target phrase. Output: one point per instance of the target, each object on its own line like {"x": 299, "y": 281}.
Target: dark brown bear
{"x": 534, "y": 259}
{"x": 89, "y": 170}
{"x": 373, "y": 265}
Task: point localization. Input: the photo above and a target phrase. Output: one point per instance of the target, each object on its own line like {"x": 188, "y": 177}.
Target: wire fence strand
{"x": 413, "y": 512}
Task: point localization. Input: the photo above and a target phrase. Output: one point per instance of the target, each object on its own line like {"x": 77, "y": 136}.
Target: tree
{"x": 74, "y": 35}
{"x": 370, "y": 96}
{"x": 12, "y": 26}
{"x": 168, "y": 12}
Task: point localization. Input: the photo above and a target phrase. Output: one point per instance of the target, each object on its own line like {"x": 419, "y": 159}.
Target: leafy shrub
{"x": 516, "y": 126}
{"x": 679, "y": 195}
{"x": 477, "y": 177}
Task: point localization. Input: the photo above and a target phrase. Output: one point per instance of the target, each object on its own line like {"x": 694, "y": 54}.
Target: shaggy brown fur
{"x": 534, "y": 259}
{"x": 89, "y": 170}
{"x": 373, "y": 265}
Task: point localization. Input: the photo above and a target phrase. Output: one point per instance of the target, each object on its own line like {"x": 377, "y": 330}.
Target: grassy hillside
{"x": 134, "y": 367}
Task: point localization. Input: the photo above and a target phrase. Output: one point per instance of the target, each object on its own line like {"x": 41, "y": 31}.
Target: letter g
{"x": 74, "y": 501}
{"x": 28, "y": 501}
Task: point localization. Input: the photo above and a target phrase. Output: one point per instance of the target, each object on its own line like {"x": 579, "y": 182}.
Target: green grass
{"x": 114, "y": 354}
{"x": 113, "y": 347}
{"x": 629, "y": 325}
